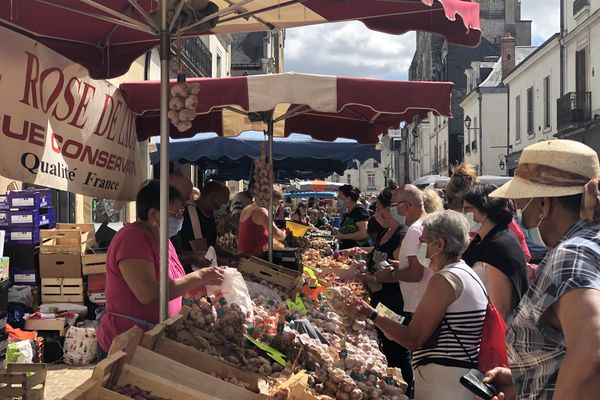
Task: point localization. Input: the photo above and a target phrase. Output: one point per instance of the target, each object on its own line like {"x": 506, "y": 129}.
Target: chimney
{"x": 508, "y": 44}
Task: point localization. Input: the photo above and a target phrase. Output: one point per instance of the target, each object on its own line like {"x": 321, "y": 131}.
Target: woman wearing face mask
{"x": 300, "y": 214}
{"x": 132, "y": 268}
{"x": 495, "y": 253}
{"x": 353, "y": 228}
{"x": 389, "y": 294}
{"x": 445, "y": 329}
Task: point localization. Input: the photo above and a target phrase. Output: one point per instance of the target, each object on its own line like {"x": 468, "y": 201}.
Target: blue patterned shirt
{"x": 536, "y": 350}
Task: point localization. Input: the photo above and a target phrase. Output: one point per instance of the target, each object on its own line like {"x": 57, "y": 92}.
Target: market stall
{"x": 295, "y": 156}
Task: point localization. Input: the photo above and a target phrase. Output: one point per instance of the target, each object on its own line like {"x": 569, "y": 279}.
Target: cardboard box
{"x": 60, "y": 265}
{"x": 23, "y": 256}
{"x": 31, "y": 218}
{"x": 4, "y": 203}
{"x": 26, "y": 235}
{"x": 24, "y": 277}
{"x": 67, "y": 238}
{"x": 30, "y": 198}
{"x": 4, "y": 218}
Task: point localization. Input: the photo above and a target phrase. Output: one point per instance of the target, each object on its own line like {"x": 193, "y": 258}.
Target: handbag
{"x": 492, "y": 347}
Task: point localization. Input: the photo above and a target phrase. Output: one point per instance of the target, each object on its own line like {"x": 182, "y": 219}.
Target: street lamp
{"x": 468, "y": 126}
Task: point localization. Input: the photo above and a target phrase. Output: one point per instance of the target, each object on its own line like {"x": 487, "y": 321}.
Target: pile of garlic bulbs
{"x": 262, "y": 180}
{"x": 182, "y": 105}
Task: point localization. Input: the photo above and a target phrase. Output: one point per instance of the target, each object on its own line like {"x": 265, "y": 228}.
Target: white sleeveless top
{"x": 461, "y": 334}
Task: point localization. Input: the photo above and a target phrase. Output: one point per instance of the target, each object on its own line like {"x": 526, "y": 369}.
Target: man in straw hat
{"x": 554, "y": 340}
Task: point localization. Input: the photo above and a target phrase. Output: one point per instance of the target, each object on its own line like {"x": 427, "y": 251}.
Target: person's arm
{"x": 414, "y": 272}
{"x": 578, "y": 315}
{"x": 140, "y": 276}
{"x": 360, "y": 234}
{"x": 500, "y": 290}
{"x": 430, "y": 312}
{"x": 261, "y": 217}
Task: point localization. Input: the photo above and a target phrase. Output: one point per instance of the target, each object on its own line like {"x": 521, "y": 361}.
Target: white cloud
{"x": 348, "y": 49}
{"x": 545, "y": 15}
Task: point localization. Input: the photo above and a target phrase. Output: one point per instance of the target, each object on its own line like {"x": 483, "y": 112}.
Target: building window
{"x": 349, "y": 179}
{"x": 375, "y": 164}
{"x": 371, "y": 180}
{"x": 547, "y": 102}
{"x": 530, "y": 128}
{"x": 474, "y": 146}
{"x": 518, "y": 118}
{"x": 336, "y": 178}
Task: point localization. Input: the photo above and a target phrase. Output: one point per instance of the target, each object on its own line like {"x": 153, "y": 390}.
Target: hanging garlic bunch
{"x": 182, "y": 104}
{"x": 262, "y": 179}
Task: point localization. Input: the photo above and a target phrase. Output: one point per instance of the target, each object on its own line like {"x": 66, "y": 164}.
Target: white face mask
{"x": 473, "y": 226}
{"x": 422, "y": 255}
{"x": 396, "y": 215}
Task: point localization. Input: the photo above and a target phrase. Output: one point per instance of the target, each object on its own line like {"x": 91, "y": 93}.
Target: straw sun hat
{"x": 553, "y": 168}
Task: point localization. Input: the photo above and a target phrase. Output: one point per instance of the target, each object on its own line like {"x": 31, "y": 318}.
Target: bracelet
{"x": 394, "y": 274}
{"x": 373, "y": 316}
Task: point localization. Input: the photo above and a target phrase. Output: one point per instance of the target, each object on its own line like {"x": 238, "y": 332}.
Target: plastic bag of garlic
{"x": 352, "y": 367}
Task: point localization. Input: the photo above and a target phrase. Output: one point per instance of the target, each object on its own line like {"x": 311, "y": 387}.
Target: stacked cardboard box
{"x": 23, "y": 214}
{"x": 60, "y": 262}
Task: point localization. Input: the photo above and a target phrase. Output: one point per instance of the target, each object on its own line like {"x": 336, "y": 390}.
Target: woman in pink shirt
{"x": 132, "y": 268}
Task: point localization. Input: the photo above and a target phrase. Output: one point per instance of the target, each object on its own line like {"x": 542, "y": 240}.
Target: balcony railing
{"x": 578, "y": 5}
{"x": 196, "y": 57}
{"x": 573, "y": 109}
{"x": 468, "y": 149}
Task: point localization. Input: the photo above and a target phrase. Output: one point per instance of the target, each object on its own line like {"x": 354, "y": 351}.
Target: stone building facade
{"x": 435, "y": 60}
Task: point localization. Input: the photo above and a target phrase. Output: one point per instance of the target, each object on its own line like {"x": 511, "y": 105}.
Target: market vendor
{"x": 199, "y": 226}
{"x": 253, "y": 232}
{"x": 242, "y": 200}
{"x": 353, "y": 229}
{"x": 133, "y": 264}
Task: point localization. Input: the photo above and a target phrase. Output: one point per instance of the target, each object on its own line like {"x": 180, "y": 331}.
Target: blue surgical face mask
{"x": 175, "y": 225}
{"x": 401, "y": 219}
{"x": 534, "y": 233}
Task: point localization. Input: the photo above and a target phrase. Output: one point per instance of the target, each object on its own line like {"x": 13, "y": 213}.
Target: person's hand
{"x": 212, "y": 276}
{"x": 354, "y": 251}
{"x": 394, "y": 264}
{"x": 338, "y": 235}
{"x": 383, "y": 274}
{"x": 357, "y": 308}
{"x": 502, "y": 378}
{"x": 364, "y": 277}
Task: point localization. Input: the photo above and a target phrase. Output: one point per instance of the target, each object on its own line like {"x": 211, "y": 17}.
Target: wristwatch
{"x": 373, "y": 316}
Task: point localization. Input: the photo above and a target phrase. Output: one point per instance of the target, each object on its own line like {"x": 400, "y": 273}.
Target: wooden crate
{"x": 62, "y": 290}
{"x": 128, "y": 363}
{"x": 92, "y": 264}
{"x": 17, "y": 381}
{"x": 278, "y": 275}
{"x": 157, "y": 341}
{"x": 48, "y": 324}
{"x": 66, "y": 238}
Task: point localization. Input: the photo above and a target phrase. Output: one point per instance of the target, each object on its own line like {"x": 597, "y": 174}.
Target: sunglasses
{"x": 178, "y": 213}
{"x": 398, "y": 203}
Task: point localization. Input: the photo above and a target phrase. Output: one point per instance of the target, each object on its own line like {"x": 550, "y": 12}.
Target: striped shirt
{"x": 536, "y": 350}
{"x": 460, "y": 332}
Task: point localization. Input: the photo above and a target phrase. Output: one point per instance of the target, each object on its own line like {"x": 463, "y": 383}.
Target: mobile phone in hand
{"x": 473, "y": 380}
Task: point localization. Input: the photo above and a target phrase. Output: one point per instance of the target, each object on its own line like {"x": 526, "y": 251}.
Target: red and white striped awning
{"x": 106, "y": 36}
{"x": 325, "y": 107}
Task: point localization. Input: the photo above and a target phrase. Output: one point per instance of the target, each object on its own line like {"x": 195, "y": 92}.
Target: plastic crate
{"x": 25, "y": 235}
{"x": 32, "y": 218}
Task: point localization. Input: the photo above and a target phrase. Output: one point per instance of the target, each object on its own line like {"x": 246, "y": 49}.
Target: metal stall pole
{"x": 270, "y": 138}
{"x": 165, "y": 49}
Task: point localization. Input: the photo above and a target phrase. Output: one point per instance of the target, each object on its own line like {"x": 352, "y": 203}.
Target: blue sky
{"x": 349, "y": 49}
